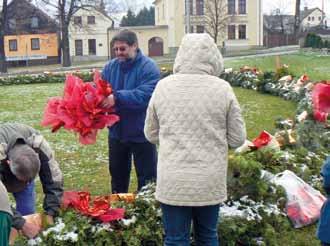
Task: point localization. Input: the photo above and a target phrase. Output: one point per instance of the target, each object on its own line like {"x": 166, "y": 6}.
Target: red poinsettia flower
{"x": 321, "y": 101}
{"x": 80, "y": 108}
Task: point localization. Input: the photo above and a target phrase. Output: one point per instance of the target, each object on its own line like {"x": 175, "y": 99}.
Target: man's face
{"x": 123, "y": 51}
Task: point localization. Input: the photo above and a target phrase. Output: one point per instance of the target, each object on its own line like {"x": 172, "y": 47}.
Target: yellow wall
{"x": 48, "y": 45}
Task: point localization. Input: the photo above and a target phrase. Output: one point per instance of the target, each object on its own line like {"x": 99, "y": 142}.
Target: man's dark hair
{"x": 126, "y": 36}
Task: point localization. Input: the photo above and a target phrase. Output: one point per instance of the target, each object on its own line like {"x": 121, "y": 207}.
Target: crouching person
{"x": 24, "y": 153}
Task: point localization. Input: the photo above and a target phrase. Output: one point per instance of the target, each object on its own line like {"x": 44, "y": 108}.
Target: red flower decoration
{"x": 262, "y": 140}
{"x": 321, "y": 101}
{"x": 80, "y": 108}
{"x": 100, "y": 208}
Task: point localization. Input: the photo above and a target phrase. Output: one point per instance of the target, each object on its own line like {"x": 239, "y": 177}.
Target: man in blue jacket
{"x": 133, "y": 78}
{"x": 323, "y": 230}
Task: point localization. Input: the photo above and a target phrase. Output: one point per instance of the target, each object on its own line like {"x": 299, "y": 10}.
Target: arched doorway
{"x": 156, "y": 46}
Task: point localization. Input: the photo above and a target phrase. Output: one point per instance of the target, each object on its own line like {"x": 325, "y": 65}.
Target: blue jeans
{"x": 25, "y": 200}
{"x": 177, "y": 225}
{"x": 120, "y": 163}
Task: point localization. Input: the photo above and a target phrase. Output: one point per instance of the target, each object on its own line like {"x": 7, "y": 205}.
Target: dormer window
{"x": 12, "y": 24}
{"x": 34, "y": 22}
{"x": 90, "y": 19}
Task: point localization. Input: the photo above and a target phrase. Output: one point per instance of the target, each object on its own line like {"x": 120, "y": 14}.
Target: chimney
{"x": 305, "y": 8}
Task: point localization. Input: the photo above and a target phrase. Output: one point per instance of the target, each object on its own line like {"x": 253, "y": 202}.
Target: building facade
{"x": 311, "y": 18}
{"x": 88, "y": 32}
{"x": 30, "y": 35}
{"x": 243, "y": 27}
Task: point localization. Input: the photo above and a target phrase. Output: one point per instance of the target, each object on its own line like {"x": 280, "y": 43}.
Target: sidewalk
{"x": 84, "y": 66}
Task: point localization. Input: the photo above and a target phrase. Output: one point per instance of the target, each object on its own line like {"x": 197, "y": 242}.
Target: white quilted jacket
{"x": 194, "y": 116}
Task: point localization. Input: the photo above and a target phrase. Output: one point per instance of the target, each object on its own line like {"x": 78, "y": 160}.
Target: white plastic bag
{"x": 303, "y": 201}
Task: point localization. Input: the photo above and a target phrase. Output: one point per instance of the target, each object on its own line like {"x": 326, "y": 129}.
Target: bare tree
{"x": 64, "y": 10}
{"x": 216, "y": 17}
{"x": 3, "y": 23}
{"x": 297, "y": 18}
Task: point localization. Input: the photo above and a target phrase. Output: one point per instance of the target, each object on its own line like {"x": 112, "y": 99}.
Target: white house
{"x": 311, "y": 18}
{"x": 89, "y": 37}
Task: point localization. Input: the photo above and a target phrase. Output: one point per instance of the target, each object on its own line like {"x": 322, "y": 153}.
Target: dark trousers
{"x": 120, "y": 163}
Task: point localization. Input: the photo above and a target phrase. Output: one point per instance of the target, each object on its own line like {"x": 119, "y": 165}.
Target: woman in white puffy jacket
{"x": 194, "y": 116}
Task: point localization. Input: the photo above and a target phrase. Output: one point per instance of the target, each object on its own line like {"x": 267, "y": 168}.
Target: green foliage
{"x": 41, "y": 78}
{"x": 315, "y": 41}
{"x": 145, "y": 17}
{"x": 282, "y": 71}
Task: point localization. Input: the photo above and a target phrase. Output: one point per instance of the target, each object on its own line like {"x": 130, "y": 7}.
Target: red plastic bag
{"x": 265, "y": 139}
{"x": 303, "y": 201}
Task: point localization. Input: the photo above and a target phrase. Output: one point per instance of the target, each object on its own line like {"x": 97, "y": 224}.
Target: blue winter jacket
{"x": 323, "y": 230}
{"x": 133, "y": 82}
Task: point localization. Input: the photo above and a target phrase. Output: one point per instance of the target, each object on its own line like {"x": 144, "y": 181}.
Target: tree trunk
{"x": 3, "y": 63}
{"x": 65, "y": 46}
{"x": 297, "y": 19}
{"x": 3, "y": 21}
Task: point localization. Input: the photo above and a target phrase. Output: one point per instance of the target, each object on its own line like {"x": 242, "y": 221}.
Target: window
{"x": 90, "y": 20}
{"x": 242, "y": 32}
{"x": 78, "y": 47}
{"x": 34, "y": 22}
{"x": 13, "y": 45}
{"x": 309, "y": 18}
{"x": 242, "y": 7}
{"x": 191, "y": 29}
{"x": 231, "y": 32}
{"x": 320, "y": 18}
{"x": 199, "y": 7}
{"x": 190, "y": 7}
{"x": 77, "y": 20}
{"x": 35, "y": 44}
{"x": 12, "y": 24}
{"x": 312, "y": 18}
{"x": 200, "y": 29}
{"x": 231, "y": 7}
{"x": 92, "y": 46}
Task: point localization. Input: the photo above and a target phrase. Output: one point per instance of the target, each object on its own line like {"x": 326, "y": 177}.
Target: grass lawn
{"x": 316, "y": 66}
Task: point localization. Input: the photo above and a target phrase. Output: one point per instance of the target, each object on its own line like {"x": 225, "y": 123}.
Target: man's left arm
{"x": 50, "y": 176}
{"x": 139, "y": 97}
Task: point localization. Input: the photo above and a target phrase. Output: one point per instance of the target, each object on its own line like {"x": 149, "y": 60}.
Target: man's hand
{"x": 30, "y": 230}
{"x": 108, "y": 102}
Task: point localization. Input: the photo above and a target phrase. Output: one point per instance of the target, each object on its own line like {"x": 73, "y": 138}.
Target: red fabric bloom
{"x": 79, "y": 109}
{"x": 262, "y": 140}
{"x": 100, "y": 209}
{"x": 321, "y": 101}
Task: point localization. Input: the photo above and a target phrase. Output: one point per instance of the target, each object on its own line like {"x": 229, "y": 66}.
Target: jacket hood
{"x": 198, "y": 54}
